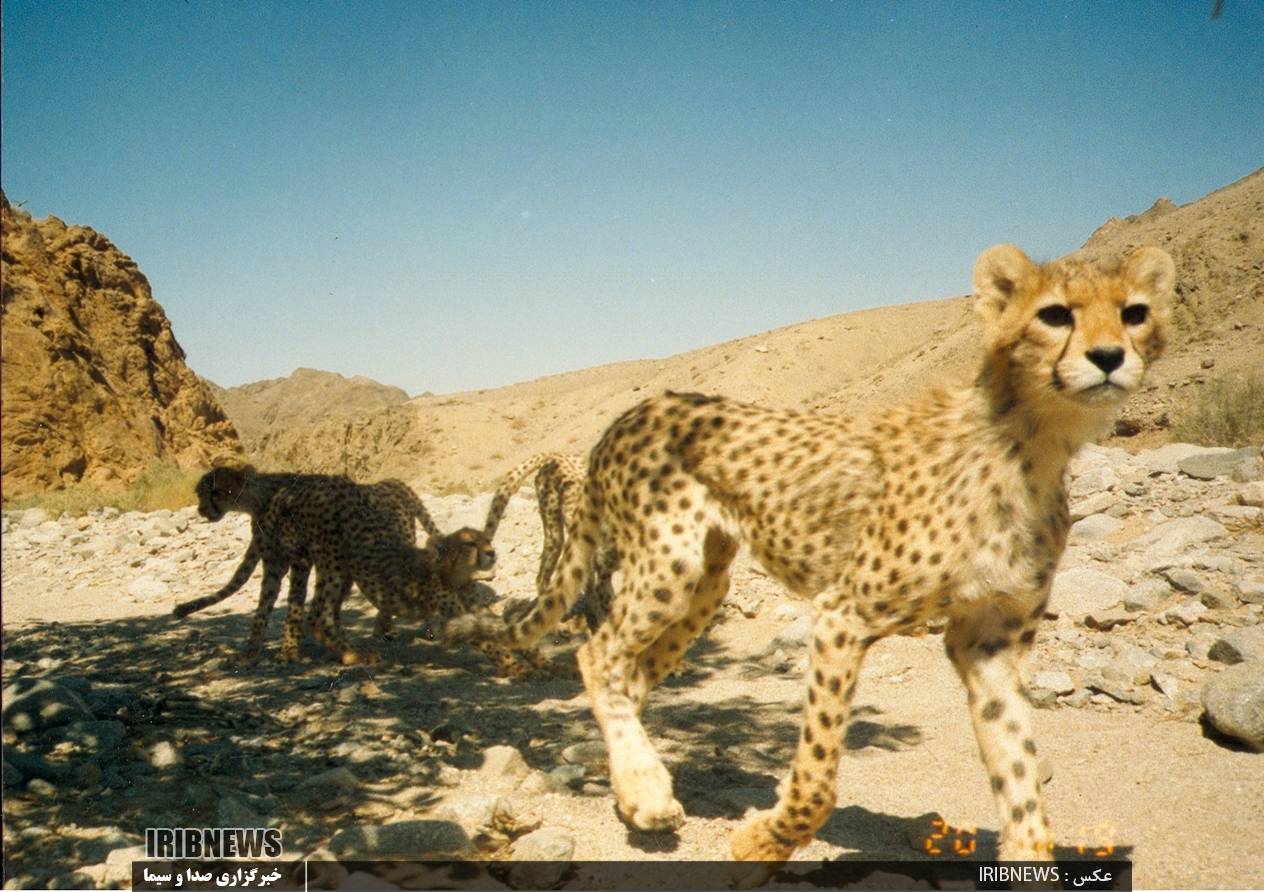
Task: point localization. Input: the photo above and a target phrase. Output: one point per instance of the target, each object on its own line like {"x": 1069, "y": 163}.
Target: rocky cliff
{"x": 95, "y": 387}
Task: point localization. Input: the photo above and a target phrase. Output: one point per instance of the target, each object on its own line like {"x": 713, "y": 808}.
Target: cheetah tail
{"x": 240, "y": 576}
{"x": 509, "y": 485}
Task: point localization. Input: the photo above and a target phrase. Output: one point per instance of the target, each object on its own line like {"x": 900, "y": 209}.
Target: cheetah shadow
{"x": 252, "y": 739}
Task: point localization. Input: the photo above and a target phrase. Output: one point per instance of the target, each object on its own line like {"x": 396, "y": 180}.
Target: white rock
{"x": 1082, "y": 590}
{"x": 1165, "y": 459}
{"x": 1094, "y": 527}
{"x": 1054, "y": 680}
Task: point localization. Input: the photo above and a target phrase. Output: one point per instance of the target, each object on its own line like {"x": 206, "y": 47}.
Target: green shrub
{"x": 1226, "y": 413}
{"x": 161, "y": 486}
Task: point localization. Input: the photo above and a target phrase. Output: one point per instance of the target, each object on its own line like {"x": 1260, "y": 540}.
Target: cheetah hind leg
{"x": 384, "y": 627}
{"x": 293, "y": 634}
{"x": 624, "y": 658}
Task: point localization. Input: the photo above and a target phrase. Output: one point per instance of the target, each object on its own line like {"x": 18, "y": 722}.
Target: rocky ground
{"x": 1149, "y": 675}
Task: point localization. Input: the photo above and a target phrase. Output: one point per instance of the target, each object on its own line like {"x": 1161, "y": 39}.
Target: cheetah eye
{"x": 1055, "y": 315}
{"x": 1135, "y": 314}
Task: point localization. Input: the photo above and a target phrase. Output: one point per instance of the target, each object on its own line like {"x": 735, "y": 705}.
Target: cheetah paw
{"x": 357, "y": 658}
{"x": 759, "y": 852}
{"x": 645, "y": 799}
{"x": 288, "y": 655}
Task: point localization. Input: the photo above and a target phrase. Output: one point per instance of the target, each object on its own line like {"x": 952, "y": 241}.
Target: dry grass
{"x": 1228, "y": 413}
{"x": 162, "y": 486}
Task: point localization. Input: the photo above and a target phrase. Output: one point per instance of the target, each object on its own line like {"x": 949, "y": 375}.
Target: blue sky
{"x": 454, "y": 196}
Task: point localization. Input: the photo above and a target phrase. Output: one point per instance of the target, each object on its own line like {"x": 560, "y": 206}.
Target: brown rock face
{"x": 94, "y": 384}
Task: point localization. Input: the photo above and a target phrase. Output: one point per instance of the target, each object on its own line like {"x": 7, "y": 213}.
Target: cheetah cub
{"x": 950, "y": 507}
{"x": 389, "y": 507}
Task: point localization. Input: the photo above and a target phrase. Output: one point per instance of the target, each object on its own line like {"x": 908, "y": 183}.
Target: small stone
{"x": 1167, "y": 685}
{"x": 543, "y": 858}
{"x": 1215, "y": 599}
{"x": 1131, "y": 667}
{"x": 165, "y": 756}
{"x": 1105, "y": 620}
{"x": 1234, "y": 703}
{"x": 1119, "y": 692}
{"x": 568, "y": 775}
{"x": 1240, "y": 646}
{"x": 1081, "y": 590}
{"x": 1186, "y": 613}
{"x": 30, "y": 518}
{"x": 1042, "y": 698}
{"x": 327, "y": 789}
{"x": 1095, "y": 527}
{"x": 1148, "y": 594}
{"x": 1250, "y": 591}
{"x": 98, "y": 737}
{"x": 403, "y": 840}
{"x": 1252, "y": 494}
{"x": 1054, "y": 680}
{"x": 1093, "y": 480}
{"x": 1098, "y": 503}
{"x": 33, "y": 704}
{"x": 1170, "y": 541}
{"x": 1078, "y": 699}
{"x": 590, "y": 753}
{"x": 503, "y": 762}
{"x": 482, "y": 816}
{"x": 538, "y": 783}
{"x": 1185, "y": 580}
{"x": 37, "y": 786}
{"x": 1240, "y": 464}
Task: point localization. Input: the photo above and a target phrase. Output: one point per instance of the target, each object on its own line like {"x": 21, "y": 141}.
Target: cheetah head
{"x": 1071, "y": 332}
{"x": 465, "y": 555}
{"x": 220, "y": 488}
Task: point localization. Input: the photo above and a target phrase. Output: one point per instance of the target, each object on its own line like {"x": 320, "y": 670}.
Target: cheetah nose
{"x": 1106, "y": 358}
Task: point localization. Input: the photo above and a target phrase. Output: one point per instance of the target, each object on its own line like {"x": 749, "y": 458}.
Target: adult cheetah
{"x": 951, "y": 506}
{"x": 559, "y": 486}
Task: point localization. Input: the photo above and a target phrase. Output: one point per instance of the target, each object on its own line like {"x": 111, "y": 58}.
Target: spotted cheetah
{"x": 242, "y": 488}
{"x": 336, "y": 525}
{"x": 559, "y": 486}
{"x": 950, "y": 507}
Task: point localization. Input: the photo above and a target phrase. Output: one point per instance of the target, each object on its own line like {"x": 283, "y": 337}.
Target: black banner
{"x": 628, "y": 875}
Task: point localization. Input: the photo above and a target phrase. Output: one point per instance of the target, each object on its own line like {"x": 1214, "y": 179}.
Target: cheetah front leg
{"x": 986, "y": 650}
{"x": 331, "y": 589}
{"x": 269, "y": 589}
{"x": 769, "y": 838}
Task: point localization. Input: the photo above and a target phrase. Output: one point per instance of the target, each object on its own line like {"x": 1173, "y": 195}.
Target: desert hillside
{"x": 95, "y": 387}
{"x": 464, "y": 441}
{"x": 306, "y": 396}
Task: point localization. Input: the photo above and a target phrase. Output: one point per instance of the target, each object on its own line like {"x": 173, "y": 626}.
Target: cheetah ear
{"x": 1151, "y": 270}
{"x": 1000, "y": 273}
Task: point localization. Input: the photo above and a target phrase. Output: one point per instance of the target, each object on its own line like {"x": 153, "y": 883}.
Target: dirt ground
{"x": 1186, "y": 809}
